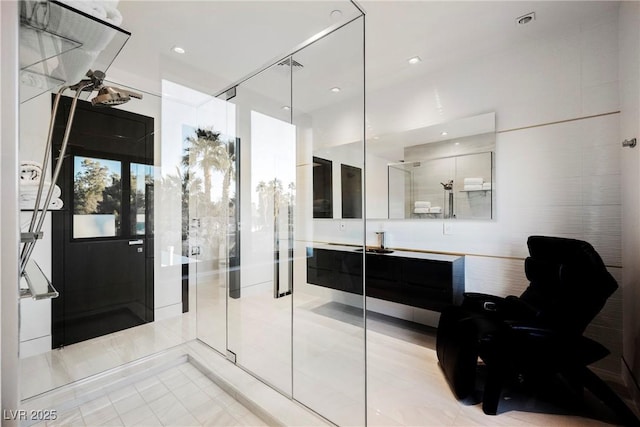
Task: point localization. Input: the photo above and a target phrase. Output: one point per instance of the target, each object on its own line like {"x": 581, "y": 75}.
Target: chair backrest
{"x": 569, "y": 283}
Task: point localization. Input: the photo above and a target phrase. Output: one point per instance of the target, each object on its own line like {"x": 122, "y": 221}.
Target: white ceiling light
{"x": 286, "y": 108}
{"x": 444, "y": 133}
{"x": 335, "y": 15}
{"x": 335, "y": 89}
{"x": 178, "y": 49}
{"x": 414, "y": 60}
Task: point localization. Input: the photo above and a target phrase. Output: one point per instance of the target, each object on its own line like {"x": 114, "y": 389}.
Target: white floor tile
{"x": 405, "y": 384}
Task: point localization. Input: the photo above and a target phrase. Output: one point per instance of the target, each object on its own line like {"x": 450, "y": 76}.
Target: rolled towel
{"x": 93, "y": 8}
{"x": 473, "y": 181}
{"x": 473, "y": 187}
{"x": 55, "y": 204}
{"x": 420, "y": 204}
{"x": 486, "y": 186}
{"x": 30, "y": 172}
{"x": 113, "y": 15}
{"x": 421, "y": 210}
{"x": 29, "y": 192}
{"x": 435, "y": 209}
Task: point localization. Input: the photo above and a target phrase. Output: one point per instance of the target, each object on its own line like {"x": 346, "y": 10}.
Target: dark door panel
{"x": 103, "y": 238}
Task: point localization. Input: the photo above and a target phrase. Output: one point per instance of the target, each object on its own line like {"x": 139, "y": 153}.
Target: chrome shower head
{"x": 109, "y": 95}
{"x": 92, "y": 82}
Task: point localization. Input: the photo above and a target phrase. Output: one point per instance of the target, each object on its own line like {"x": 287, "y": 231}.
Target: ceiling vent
{"x": 295, "y": 64}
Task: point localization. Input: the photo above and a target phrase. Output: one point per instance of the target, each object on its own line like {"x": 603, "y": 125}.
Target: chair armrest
{"x": 482, "y": 302}
{"x": 510, "y": 307}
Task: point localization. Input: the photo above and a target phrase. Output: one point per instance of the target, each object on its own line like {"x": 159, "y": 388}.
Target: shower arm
{"x": 45, "y": 161}
{"x": 27, "y": 250}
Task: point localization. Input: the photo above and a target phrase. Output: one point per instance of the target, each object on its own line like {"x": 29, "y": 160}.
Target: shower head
{"x": 109, "y": 95}
{"x": 92, "y": 82}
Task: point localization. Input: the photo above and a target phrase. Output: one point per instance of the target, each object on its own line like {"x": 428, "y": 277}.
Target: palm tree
{"x": 202, "y": 152}
{"x": 207, "y": 151}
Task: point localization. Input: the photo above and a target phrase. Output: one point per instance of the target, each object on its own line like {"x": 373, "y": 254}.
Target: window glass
{"x": 141, "y": 179}
{"x": 97, "y": 197}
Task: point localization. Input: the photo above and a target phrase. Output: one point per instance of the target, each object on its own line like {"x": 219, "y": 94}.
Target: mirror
{"x": 447, "y": 188}
{"x": 443, "y": 171}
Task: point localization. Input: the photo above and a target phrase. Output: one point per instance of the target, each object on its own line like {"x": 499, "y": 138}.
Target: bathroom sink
{"x": 376, "y": 250}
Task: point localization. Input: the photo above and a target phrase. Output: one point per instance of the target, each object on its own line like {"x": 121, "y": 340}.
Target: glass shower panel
{"x": 328, "y": 305}
{"x": 200, "y": 176}
{"x": 259, "y": 312}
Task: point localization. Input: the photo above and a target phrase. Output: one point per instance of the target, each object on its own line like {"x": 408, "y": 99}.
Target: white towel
{"x": 420, "y": 204}
{"x": 104, "y": 10}
{"x": 486, "y": 186}
{"x": 435, "y": 209}
{"x": 30, "y": 172}
{"x": 93, "y": 8}
{"x": 55, "y": 204}
{"x": 473, "y": 181}
{"x": 29, "y": 192}
{"x": 472, "y": 187}
{"x": 421, "y": 210}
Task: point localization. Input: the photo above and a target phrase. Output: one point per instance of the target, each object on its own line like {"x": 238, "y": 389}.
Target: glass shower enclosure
{"x": 254, "y": 303}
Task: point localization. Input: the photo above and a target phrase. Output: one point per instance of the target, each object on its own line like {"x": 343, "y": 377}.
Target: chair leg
{"x": 492, "y": 389}
{"x": 601, "y": 390}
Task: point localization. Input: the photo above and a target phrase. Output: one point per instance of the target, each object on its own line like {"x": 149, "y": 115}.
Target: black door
{"x": 103, "y": 237}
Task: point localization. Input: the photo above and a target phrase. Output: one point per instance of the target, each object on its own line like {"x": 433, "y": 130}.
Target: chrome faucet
{"x": 380, "y": 239}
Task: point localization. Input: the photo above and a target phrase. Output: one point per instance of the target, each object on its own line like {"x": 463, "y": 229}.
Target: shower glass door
{"x": 328, "y": 304}
{"x": 259, "y": 312}
{"x": 302, "y": 337}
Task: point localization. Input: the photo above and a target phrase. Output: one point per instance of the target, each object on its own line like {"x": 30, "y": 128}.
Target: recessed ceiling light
{"x": 376, "y": 137}
{"x": 335, "y": 14}
{"x": 178, "y": 49}
{"x": 286, "y": 108}
{"x": 444, "y": 133}
{"x": 457, "y": 143}
{"x": 525, "y": 19}
{"x": 414, "y": 60}
{"x": 335, "y": 89}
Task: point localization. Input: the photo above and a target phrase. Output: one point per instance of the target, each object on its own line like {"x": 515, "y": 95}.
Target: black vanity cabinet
{"x": 430, "y": 281}
{"x": 340, "y": 270}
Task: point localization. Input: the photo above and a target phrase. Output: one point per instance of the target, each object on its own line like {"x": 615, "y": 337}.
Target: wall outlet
{"x": 447, "y": 228}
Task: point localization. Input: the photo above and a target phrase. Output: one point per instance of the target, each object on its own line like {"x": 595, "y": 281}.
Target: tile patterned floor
{"x": 405, "y": 386}
{"x": 178, "y": 396}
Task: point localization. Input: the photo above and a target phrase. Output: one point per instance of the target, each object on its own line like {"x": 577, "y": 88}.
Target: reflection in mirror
{"x": 351, "y": 191}
{"x": 407, "y": 171}
{"x": 449, "y": 187}
{"x": 322, "y": 188}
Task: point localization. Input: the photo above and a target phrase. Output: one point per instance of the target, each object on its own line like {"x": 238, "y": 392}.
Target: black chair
{"x": 536, "y": 335}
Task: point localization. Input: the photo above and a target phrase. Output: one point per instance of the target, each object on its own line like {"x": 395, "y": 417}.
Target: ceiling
{"x": 226, "y": 40}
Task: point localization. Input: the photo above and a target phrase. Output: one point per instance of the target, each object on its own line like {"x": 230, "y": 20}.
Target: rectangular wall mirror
{"x": 443, "y": 171}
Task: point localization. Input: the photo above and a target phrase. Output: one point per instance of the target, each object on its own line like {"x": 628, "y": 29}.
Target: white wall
{"x": 557, "y": 166}
{"x": 9, "y": 339}
{"x": 35, "y": 316}
{"x": 629, "y": 72}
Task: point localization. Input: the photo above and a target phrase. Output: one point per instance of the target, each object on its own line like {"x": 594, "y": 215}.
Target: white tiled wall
{"x": 629, "y": 72}
{"x": 557, "y": 169}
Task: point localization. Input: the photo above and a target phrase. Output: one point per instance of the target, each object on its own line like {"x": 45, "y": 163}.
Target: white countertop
{"x": 397, "y": 253}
